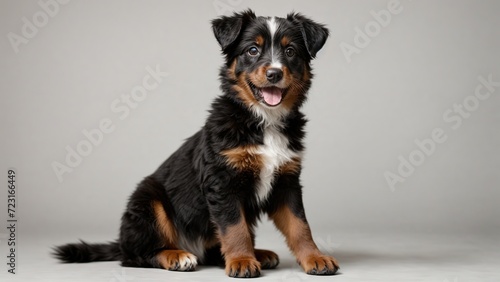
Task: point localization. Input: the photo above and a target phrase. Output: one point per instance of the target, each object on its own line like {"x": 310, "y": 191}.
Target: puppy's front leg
{"x": 299, "y": 239}
{"x": 238, "y": 250}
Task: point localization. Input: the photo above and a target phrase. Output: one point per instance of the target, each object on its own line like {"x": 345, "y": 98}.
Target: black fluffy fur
{"x": 84, "y": 252}
{"x": 201, "y": 194}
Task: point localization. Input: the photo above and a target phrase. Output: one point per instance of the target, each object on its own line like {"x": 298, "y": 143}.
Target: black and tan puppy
{"x": 203, "y": 202}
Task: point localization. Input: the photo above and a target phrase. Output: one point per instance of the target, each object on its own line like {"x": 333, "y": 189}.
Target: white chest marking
{"x": 274, "y": 154}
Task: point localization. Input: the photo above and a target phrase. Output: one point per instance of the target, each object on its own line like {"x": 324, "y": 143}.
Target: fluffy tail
{"x": 83, "y": 252}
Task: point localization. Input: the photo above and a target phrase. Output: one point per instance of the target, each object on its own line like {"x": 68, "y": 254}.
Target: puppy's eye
{"x": 290, "y": 52}
{"x": 253, "y": 51}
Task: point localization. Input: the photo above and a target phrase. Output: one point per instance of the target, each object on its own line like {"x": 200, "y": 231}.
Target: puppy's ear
{"x": 314, "y": 34}
{"x": 227, "y": 29}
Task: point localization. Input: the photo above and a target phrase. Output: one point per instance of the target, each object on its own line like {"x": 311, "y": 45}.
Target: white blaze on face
{"x": 273, "y": 26}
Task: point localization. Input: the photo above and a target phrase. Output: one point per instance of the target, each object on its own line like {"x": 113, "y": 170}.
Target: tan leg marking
{"x": 299, "y": 239}
{"x": 165, "y": 226}
{"x": 237, "y": 248}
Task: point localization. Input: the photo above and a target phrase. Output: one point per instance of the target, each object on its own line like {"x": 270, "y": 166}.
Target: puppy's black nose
{"x": 274, "y": 75}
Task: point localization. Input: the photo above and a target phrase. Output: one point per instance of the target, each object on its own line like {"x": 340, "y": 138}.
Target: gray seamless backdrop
{"x": 404, "y": 79}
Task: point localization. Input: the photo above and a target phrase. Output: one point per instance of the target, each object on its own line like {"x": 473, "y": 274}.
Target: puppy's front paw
{"x": 242, "y": 267}
{"x": 319, "y": 264}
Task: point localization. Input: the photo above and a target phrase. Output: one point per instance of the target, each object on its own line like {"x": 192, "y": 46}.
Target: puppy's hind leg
{"x": 171, "y": 258}
{"x": 148, "y": 237}
{"x": 268, "y": 259}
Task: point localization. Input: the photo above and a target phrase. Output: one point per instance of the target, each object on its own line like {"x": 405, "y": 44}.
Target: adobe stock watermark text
{"x": 121, "y": 108}
{"x": 454, "y": 117}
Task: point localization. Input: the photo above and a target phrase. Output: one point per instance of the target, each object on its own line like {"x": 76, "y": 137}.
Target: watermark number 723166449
{"x": 11, "y": 221}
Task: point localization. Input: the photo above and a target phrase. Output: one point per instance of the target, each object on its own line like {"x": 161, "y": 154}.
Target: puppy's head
{"x": 267, "y": 58}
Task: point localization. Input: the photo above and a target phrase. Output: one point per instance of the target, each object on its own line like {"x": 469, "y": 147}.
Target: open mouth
{"x": 271, "y": 96}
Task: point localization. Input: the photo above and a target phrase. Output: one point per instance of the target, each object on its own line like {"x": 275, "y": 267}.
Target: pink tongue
{"x": 272, "y": 95}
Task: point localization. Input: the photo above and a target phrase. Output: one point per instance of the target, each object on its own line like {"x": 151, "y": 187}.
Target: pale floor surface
{"x": 362, "y": 257}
